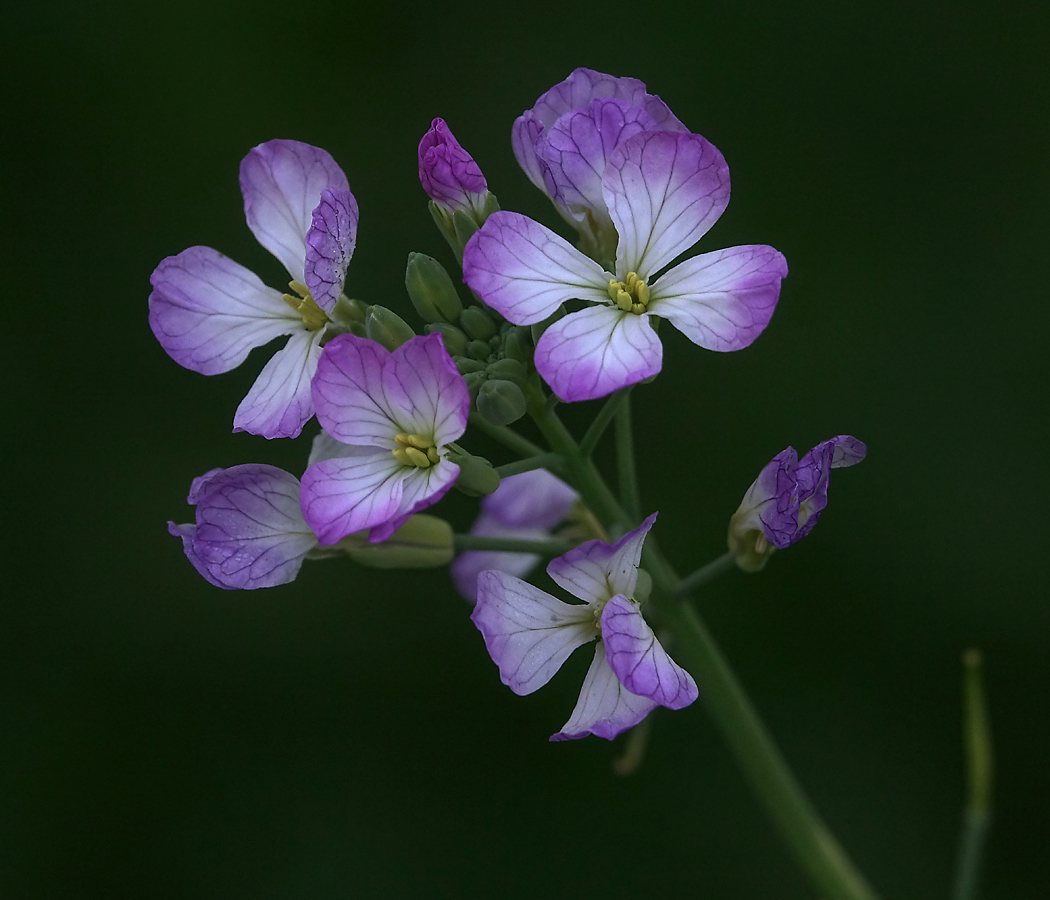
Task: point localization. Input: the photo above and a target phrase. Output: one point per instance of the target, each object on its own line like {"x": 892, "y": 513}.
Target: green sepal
{"x": 423, "y": 542}
{"x": 387, "y": 328}
{"x": 431, "y": 289}
{"x": 477, "y": 324}
{"x": 455, "y": 340}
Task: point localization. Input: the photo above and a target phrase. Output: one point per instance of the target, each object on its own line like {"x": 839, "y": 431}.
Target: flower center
{"x": 631, "y": 294}
{"x": 415, "y": 450}
{"x": 313, "y": 316}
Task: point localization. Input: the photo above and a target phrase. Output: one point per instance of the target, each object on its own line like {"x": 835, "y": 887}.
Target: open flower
{"x": 397, "y": 411}
{"x": 249, "y": 531}
{"x": 784, "y": 503}
{"x": 564, "y": 142}
{"x": 208, "y": 312}
{"x": 664, "y": 190}
{"x": 525, "y": 506}
{"x": 529, "y": 634}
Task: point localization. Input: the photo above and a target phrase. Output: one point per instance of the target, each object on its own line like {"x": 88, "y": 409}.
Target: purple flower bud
{"x": 448, "y": 173}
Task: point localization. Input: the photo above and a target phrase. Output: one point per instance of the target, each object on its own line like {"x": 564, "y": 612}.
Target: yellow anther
{"x": 417, "y": 457}
{"x": 415, "y": 450}
{"x": 631, "y": 280}
{"x": 432, "y": 455}
{"x": 641, "y": 291}
{"x": 614, "y": 288}
{"x": 313, "y": 316}
{"x": 631, "y": 294}
{"x": 413, "y": 440}
{"x": 760, "y": 544}
{"x": 623, "y": 300}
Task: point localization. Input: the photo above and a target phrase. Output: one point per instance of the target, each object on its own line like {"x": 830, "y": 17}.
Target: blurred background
{"x": 347, "y": 735}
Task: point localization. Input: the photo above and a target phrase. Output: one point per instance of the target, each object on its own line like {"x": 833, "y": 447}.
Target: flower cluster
{"x": 640, "y": 190}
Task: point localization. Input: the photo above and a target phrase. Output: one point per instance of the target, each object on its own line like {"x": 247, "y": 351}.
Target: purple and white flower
{"x": 449, "y": 174}
{"x": 249, "y": 531}
{"x": 525, "y": 506}
{"x": 563, "y": 144}
{"x": 208, "y": 312}
{"x": 663, "y": 190}
{"x": 529, "y": 634}
{"x": 397, "y": 411}
{"x": 784, "y": 503}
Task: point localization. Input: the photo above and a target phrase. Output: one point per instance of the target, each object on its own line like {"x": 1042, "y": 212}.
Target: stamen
{"x": 314, "y": 317}
{"x": 761, "y": 544}
{"x": 415, "y": 450}
{"x": 631, "y": 295}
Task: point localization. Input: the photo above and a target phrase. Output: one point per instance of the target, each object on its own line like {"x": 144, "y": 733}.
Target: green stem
{"x": 510, "y": 439}
{"x": 814, "y": 846}
{"x": 980, "y": 775}
{"x": 704, "y": 574}
{"x": 511, "y": 545}
{"x": 627, "y": 475}
{"x": 601, "y": 422}
{"x": 543, "y": 461}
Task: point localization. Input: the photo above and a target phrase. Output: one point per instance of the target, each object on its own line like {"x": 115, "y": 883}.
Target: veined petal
{"x": 279, "y": 403}
{"x": 534, "y": 500}
{"x": 341, "y": 496}
{"x": 330, "y": 243}
{"x": 597, "y": 570}
{"x": 470, "y": 564}
{"x": 771, "y": 503}
{"x": 524, "y": 138}
{"x": 426, "y": 389}
{"x": 324, "y": 446}
{"x": 605, "y": 708}
{"x": 350, "y": 396}
{"x": 208, "y": 312}
{"x": 596, "y": 351}
{"x": 525, "y": 271}
{"x": 578, "y": 145}
{"x": 282, "y": 183}
{"x": 250, "y": 531}
{"x": 448, "y": 173}
{"x": 848, "y": 451}
{"x": 185, "y": 534}
{"x": 528, "y": 633}
{"x": 721, "y": 300}
{"x": 638, "y": 658}
{"x": 420, "y": 488}
{"x": 813, "y": 473}
{"x": 664, "y": 191}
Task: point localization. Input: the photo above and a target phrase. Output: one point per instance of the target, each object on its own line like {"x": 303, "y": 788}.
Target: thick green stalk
{"x": 543, "y": 461}
{"x": 704, "y": 574}
{"x": 625, "y": 468}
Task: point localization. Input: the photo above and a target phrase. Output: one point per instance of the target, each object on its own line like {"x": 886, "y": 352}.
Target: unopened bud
{"x": 477, "y": 323}
{"x": 501, "y": 402}
{"x": 387, "y": 328}
{"x": 423, "y": 542}
{"x": 476, "y": 478}
{"x": 349, "y": 312}
{"x": 431, "y": 289}
{"x": 509, "y": 370}
{"x": 479, "y": 350}
{"x": 474, "y": 382}
{"x": 748, "y": 544}
{"x": 455, "y": 340}
{"x": 517, "y": 344}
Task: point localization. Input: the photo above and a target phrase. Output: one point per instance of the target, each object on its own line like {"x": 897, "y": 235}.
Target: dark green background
{"x": 347, "y": 736}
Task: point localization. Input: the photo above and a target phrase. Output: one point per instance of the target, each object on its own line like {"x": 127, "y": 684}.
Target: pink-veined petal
{"x": 279, "y": 403}
{"x": 638, "y": 658}
{"x": 324, "y": 446}
{"x": 466, "y": 567}
{"x": 419, "y": 489}
{"x": 208, "y": 312}
{"x": 330, "y": 243}
{"x": 528, "y": 633}
{"x": 595, "y": 351}
{"x": 341, "y": 496}
{"x": 282, "y": 182}
{"x": 535, "y": 499}
{"x": 721, "y": 300}
{"x": 605, "y": 708}
{"x": 425, "y": 387}
{"x": 597, "y": 570}
{"x": 525, "y": 271}
{"x": 664, "y": 191}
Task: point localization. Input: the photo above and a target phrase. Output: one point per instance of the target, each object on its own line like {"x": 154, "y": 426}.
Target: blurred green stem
{"x": 625, "y": 468}
{"x": 511, "y": 545}
{"x": 814, "y": 846}
{"x": 542, "y": 461}
{"x": 704, "y": 574}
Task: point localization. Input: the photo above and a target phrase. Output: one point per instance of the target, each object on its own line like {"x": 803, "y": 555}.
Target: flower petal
{"x": 638, "y": 658}
{"x": 420, "y": 489}
{"x": 250, "y": 531}
{"x": 282, "y": 183}
{"x": 330, "y": 243}
{"x": 535, "y": 500}
{"x": 664, "y": 191}
{"x": 578, "y": 145}
{"x": 771, "y": 503}
{"x": 526, "y": 134}
{"x": 597, "y": 570}
{"x": 470, "y": 564}
{"x": 349, "y": 393}
{"x": 208, "y": 312}
{"x": 341, "y": 496}
{"x": 605, "y": 708}
{"x": 721, "y": 300}
{"x": 324, "y": 446}
{"x": 279, "y": 403}
{"x": 425, "y": 387}
{"x": 528, "y": 633}
{"x": 449, "y": 174}
{"x": 525, "y": 271}
{"x": 185, "y": 533}
{"x": 848, "y": 451}
{"x": 596, "y": 351}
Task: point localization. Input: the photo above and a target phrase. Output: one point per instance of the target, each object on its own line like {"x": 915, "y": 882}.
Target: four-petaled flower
{"x": 398, "y": 411}
{"x": 208, "y": 312}
{"x": 529, "y": 634}
{"x": 249, "y": 531}
{"x": 663, "y": 190}
{"x": 526, "y": 507}
{"x": 784, "y": 503}
{"x": 564, "y": 141}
